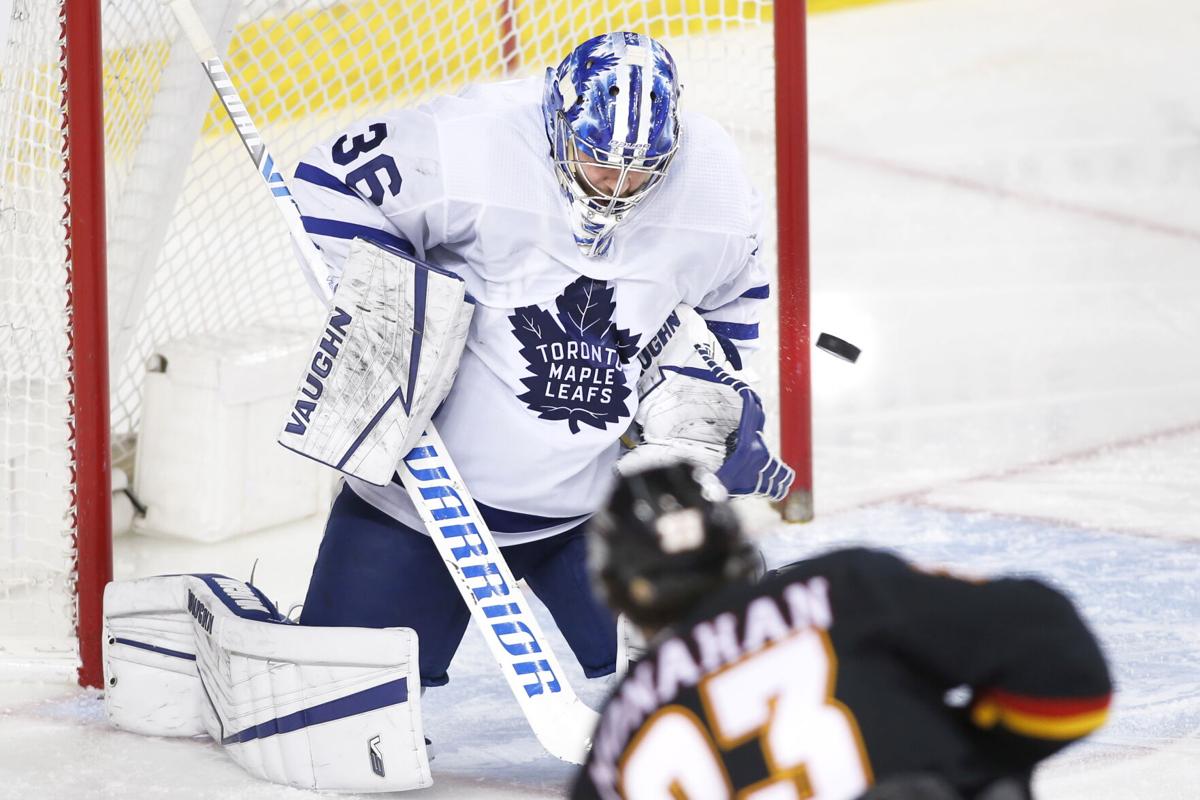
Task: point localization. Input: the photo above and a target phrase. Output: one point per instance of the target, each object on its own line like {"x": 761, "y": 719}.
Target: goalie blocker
{"x": 317, "y": 708}
{"x": 384, "y": 363}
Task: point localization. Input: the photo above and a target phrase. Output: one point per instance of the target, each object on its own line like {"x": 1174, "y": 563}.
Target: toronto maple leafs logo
{"x": 575, "y": 356}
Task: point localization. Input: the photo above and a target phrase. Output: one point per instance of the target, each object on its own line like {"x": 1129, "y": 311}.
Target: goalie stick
{"x": 560, "y": 720}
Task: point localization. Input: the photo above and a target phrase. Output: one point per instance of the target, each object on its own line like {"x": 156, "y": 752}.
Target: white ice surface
{"x": 1006, "y": 218}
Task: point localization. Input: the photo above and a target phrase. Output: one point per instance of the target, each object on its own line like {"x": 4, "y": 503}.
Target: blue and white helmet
{"x": 613, "y": 101}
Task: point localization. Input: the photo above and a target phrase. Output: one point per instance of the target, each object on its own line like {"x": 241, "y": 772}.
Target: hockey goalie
{"x": 516, "y": 276}
{"x": 610, "y": 245}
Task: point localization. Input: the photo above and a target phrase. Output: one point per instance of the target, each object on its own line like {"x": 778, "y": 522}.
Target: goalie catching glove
{"x": 693, "y": 406}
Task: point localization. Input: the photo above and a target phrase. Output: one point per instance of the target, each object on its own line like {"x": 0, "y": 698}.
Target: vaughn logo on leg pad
{"x": 576, "y": 356}
{"x": 200, "y": 612}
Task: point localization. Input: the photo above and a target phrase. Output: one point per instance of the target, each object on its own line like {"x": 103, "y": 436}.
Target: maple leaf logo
{"x": 575, "y": 356}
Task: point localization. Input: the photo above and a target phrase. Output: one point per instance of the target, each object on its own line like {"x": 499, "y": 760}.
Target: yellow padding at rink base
{"x": 372, "y": 52}
{"x": 825, "y": 6}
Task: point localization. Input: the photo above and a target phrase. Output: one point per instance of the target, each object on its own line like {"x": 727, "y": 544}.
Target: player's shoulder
{"x": 420, "y": 130}
{"x": 707, "y": 187}
{"x": 495, "y": 118}
{"x": 493, "y": 145}
{"x": 402, "y": 134}
{"x": 709, "y": 137}
{"x": 796, "y": 600}
{"x": 842, "y": 561}
{"x": 861, "y": 575}
{"x": 500, "y": 93}
{"x": 483, "y": 104}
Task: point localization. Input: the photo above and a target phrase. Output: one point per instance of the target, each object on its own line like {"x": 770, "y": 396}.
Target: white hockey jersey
{"x": 546, "y": 384}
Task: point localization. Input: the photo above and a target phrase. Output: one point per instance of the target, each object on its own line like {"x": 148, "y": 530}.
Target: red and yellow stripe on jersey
{"x": 1041, "y": 717}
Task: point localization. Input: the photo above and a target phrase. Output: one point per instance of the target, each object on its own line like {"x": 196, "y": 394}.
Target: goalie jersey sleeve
{"x": 733, "y": 309}
{"x": 846, "y": 670}
{"x": 378, "y": 180}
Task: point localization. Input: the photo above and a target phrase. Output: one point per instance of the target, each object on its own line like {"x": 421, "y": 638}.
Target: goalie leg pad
{"x": 151, "y": 683}
{"x": 317, "y": 708}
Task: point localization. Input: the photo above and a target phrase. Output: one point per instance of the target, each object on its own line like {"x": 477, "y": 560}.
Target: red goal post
{"x": 156, "y": 176}
{"x": 88, "y": 348}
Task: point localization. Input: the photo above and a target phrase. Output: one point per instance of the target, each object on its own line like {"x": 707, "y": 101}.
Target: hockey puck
{"x": 838, "y": 347}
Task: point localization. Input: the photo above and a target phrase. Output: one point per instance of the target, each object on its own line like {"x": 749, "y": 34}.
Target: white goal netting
{"x": 194, "y": 244}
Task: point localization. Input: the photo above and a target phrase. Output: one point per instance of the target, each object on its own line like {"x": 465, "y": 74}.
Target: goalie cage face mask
{"x": 613, "y": 102}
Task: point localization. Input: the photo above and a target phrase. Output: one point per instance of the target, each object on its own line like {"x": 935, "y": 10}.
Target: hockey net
{"x": 193, "y": 243}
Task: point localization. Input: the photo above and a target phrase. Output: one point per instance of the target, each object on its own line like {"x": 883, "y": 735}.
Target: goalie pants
{"x": 374, "y": 572}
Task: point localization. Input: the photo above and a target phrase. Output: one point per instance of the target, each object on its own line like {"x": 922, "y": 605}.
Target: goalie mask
{"x": 666, "y": 540}
{"x": 612, "y": 102}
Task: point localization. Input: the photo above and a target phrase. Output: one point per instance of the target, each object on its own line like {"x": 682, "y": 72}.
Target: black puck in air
{"x": 838, "y": 347}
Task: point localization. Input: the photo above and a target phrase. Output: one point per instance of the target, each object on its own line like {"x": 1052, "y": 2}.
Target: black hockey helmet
{"x": 666, "y": 539}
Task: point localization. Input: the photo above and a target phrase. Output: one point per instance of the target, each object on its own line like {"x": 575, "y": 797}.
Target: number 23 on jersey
{"x": 783, "y": 695}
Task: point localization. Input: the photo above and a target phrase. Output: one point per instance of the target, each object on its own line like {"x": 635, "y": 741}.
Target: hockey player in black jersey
{"x": 850, "y": 675}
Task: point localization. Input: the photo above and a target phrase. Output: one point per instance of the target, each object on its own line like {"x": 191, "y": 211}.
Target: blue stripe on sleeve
{"x": 319, "y": 177}
{"x": 733, "y": 330}
{"x": 753, "y": 293}
{"x": 348, "y": 230}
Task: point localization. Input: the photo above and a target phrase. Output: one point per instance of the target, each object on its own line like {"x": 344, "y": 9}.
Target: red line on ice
{"x": 1028, "y": 198}
{"x": 1053, "y": 461}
